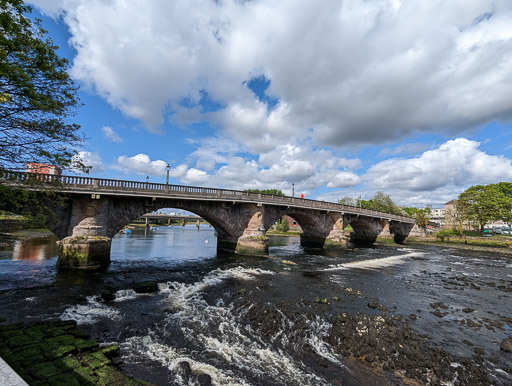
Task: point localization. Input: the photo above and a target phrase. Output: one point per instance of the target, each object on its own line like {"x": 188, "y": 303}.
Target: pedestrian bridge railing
{"x": 84, "y": 184}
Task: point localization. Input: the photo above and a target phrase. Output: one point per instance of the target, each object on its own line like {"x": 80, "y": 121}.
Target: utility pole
{"x": 293, "y": 189}
{"x": 168, "y": 167}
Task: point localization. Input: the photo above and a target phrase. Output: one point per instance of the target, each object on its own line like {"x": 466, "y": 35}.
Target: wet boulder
{"x": 184, "y": 371}
{"x": 145, "y": 287}
{"x": 506, "y": 344}
{"x": 204, "y": 380}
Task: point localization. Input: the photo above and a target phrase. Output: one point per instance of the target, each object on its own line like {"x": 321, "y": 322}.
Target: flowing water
{"x": 257, "y": 321}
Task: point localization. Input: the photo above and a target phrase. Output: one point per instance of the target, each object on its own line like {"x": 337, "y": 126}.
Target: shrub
{"x": 283, "y": 225}
{"x": 446, "y": 233}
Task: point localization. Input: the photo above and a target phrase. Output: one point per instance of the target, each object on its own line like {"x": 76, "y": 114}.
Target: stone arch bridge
{"x": 96, "y": 209}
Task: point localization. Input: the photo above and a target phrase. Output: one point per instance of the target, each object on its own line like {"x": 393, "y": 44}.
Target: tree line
{"x": 478, "y": 205}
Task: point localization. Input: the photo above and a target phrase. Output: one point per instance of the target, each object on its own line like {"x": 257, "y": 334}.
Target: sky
{"x": 338, "y": 98}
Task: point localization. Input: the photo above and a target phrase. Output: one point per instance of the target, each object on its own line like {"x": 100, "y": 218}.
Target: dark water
{"x": 200, "y": 313}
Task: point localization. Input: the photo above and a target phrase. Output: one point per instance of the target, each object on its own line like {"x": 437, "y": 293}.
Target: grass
{"x": 479, "y": 241}
{"x": 278, "y": 233}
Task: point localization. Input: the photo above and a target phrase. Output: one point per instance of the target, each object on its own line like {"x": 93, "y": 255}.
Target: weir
{"x": 96, "y": 209}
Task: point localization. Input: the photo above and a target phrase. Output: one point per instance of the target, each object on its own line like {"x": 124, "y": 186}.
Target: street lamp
{"x": 293, "y": 189}
{"x": 168, "y": 167}
{"x": 147, "y": 181}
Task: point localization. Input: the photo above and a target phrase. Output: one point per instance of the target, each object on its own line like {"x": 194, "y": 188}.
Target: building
{"x": 437, "y": 215}
{"x": 452, "y": 219}
{"x": 32, "y": 167}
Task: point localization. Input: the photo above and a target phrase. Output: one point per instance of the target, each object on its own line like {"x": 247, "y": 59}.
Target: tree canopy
{"x": 348, "y": 201}
{"x": 275, "y": 192}
{"x": 37, "y": 96}
{"x": 484, "y": 203}
{"x": 380, "y": 202}
{"x": 420, "y": 215}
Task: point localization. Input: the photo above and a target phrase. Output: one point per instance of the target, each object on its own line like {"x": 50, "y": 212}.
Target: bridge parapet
{"x": 98, "y": 186}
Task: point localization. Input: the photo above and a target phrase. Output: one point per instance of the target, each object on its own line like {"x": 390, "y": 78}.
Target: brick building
{"x": 33, "y": 167}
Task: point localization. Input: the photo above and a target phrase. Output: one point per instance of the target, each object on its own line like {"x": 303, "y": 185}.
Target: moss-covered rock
{"x": 58, "y": 354}
{"x": 85, "y": 345}
{"x": 63, "y": 380}
{"x": 110, "y": 351}
{"x": 43, "y": 370}
{"x": 95, "y": 360}
{"x": 85, "y": 374}
{"x": 108, "y": 375}
{"x": 55, "y": 352}
{"x": 67, "y": 363}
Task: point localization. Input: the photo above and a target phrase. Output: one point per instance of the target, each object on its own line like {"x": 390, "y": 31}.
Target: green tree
{"x": 274, "y": 192}
{"x": 420, "y": 215}
{"x": 380, "y": 202}
{"x": 283, "y": 225}
{"x": 37, "y": 205}
{"x": 37, "y": 96}
{"x": 506, "y": 189}
{"x": 347, "y": 201}
{"x": 482, "y": 204}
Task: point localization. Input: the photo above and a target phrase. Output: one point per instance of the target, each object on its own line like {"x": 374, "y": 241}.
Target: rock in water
{"x": 506, "y": 344}
{"x": 184, "y": 371}
{"x": 204, "y": 380}
{"x": 145, "y": 287}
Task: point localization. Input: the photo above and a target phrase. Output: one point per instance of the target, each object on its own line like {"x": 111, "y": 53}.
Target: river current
{"x": 259, "y": 321}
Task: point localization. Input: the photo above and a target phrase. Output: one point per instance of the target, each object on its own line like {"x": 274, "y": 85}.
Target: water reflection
{"x": 36, "y": 249}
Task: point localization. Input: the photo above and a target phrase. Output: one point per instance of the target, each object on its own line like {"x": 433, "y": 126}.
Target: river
{"x": 298, "y": 317}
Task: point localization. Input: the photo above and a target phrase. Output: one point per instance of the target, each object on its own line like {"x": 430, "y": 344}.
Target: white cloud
{"x": 109, "y": 133}
{"x": 344, "y": 73}
{"x": 344, "y": 180}
{"x": 457, "y": 163}
{"x": 195, "y": 176}
{"x": 142, "y": 164}
{"x": 92, "y": 160}
{"x": 300, "y": 163}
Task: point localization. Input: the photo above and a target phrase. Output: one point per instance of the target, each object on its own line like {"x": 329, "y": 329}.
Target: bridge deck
{"x": 99, "y": 186}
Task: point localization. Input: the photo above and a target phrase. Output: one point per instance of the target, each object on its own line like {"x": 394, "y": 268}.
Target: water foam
{"x": 123, "y": 295}
{"x": 91, "y": 312}
{"x": 219, "y": 330}
{"x": 182, "y": 292}
{"x": 320, "y": 329}
{"x": 375, "y": 263}
{"x": 171, "y": 357}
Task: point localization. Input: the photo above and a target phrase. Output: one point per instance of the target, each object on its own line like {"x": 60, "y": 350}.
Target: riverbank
{"x": 287, "y": 234}
{"x": 502, "y": 246}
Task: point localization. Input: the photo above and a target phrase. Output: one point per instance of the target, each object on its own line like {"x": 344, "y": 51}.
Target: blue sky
{"x": 339, "y": 98}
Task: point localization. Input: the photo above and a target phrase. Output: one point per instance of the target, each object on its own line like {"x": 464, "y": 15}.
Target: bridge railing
{"x": 99, "y": 185}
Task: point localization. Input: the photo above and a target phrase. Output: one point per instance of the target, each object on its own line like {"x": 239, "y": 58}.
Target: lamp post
{"x": 147, "y": 181}
{"x": 168, "y": 167}
{"x": 293, "y": 189}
